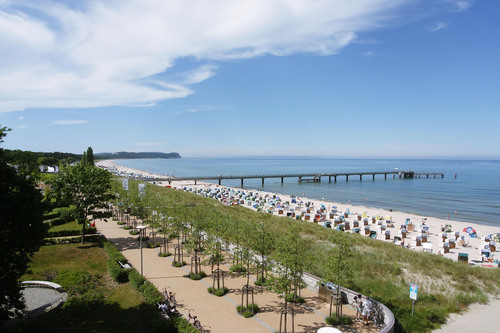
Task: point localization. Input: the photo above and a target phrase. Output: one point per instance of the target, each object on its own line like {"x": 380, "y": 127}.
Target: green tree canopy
{"x": 86, "y": 187}
{"x": 21, "y": 231}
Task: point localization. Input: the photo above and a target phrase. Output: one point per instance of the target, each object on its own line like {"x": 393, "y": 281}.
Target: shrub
{"x": 178, "y": 264}
{"x": 261, "y": 282}
{"x": 198, "y": 276}
{"x": 162, "y": 254}
{"x": 218, "y": 292}
{"x": 133, "y": 232}
{"x": 65, "y": 233}
{"x": 153, "y": 245}
{"x": 68, "y": 214}
{"x": 293, "y": 298}
{"x": 136, "y": 279}
{"x": 150, "y": 293}
{"x": 238, "y": 268}
{"x": 51, "y": 215}
{"x": 127, "y": 227}
{"x": 342, "y": 320}
{"x": 247, "y": 312}
{"x": 118, "y": 274}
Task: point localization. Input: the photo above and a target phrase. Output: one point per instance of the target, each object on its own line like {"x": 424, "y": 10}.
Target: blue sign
{"x": 413, "y": 291}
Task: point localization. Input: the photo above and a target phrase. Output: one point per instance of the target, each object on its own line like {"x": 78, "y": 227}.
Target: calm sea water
{"x": 474, "y": 193}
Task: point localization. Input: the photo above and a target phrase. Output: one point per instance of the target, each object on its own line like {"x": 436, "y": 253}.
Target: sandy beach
{"x": 392, "y": 222}
{"x": 397, "y": 219}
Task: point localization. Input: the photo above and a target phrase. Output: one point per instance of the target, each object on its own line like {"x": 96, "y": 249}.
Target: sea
{"x": 469, "y": 191}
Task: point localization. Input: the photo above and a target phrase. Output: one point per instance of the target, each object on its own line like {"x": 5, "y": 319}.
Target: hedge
{"x": 78, "y": 239}
{"x": 65, "y": 233}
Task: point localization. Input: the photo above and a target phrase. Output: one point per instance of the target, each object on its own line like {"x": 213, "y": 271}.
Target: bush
{"x": 261, "y": 282}
{"x": 342, "y": 320}
{"x": 162, "y": 254}
{"x": 153, "y": 245}
{"x": 51, "y": 215}
{"x": 247, "y": 312}
{"x": 133, "y": 232}
{"x": 178, "y": 264}
{"x": 238, "y": 268}
{"x": 68, "y": 214}
{"x": 118, "y": 274}
{"x": 198, "y": 276}
{"x": 218, "y": 292}
{"x": 150, "y": 293}
{"x": 65, "y": 233}
{"x": 112, "y": 251}
{"x": 89, "y": 238}
{"x": 136, "y": 279}
{"x": 127, "y": 227}
{"x": 292, "y": 298}
{"x": 56, "y": 221}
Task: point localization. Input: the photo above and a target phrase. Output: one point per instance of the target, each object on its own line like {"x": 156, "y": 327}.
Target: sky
{"x": 214, "y": 78}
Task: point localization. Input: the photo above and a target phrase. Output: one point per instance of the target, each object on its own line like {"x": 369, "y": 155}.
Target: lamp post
{"x": 141, "y": 228}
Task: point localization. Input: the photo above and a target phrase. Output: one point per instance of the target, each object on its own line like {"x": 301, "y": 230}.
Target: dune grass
{"x": 383, "y": 271}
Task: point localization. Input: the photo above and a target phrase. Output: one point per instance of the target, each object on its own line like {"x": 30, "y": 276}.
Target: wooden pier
{"x": 308, "y": 177}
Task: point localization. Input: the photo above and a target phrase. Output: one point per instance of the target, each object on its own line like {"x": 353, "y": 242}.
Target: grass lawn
{"x": 67, "y": 226}
{"x": 96, "y": 302}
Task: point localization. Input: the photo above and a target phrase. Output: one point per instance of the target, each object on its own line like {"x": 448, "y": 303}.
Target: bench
{"x": 124, "y": 265}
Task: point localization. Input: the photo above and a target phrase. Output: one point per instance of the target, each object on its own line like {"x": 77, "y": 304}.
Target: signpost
{"x": 413, "y": 296}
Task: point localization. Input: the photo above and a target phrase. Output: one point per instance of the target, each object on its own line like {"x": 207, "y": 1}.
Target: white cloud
{"x": 438, "y": 26}
{"x": 21, "y": 117}
{"x": 460, "y": 5}
{"x": 103, "y": 53}
{"x": 69, "y": 122}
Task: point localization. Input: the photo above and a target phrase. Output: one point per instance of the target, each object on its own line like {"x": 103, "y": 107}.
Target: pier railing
{"x": 303, "y": 177}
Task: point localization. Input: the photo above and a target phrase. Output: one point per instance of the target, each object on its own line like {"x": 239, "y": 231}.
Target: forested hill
{"x": 128, "y": 155}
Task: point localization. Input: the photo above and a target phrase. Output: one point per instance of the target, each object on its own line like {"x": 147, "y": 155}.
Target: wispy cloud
{"x": 69, "y": 122}
{"x": 103, "y": 53}
{"x": 368, "y": 54}
{"x": 438, "y": 26}
{"x": 460, "y": 5}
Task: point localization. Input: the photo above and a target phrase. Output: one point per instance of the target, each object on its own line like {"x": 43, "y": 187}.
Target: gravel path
{"x": 40, "y": 298}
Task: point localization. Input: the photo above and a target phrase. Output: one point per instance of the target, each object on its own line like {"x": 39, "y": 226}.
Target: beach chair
{"x": 418, "y": 241}
{"x": 387, "y": 235}
{"x": 493, "y": 246}
{"x": 365, "y": 221}
{"x": 444, "y": 236}
{"x": 355, "y": 224}
{"x": 427, "y": 247}
{"x": 347, "y": 225}
{"x": 463, "y": 257}
{"x": 451, "y": 241}
{"x": 367, "y": 230}
{"x": 424, "y": 237}
{"x": 444, "y": 247}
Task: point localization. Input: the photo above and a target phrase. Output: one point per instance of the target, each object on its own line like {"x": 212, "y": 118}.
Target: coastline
{"x": 398, "y": 218}
{"x": 467, "y": 320}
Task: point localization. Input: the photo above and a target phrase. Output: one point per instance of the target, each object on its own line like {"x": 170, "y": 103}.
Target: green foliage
{"x": 87, "y": 188}
{"x": 118, "y": 274}
{"x": 293, "y": 298}
{"x": 218, "y": 292}
{"x": 178, "y": 264}
{"x": 247, "y": 312}
{"x": 163, "y": 255}
{"x": 133, "y": 232}
{"x": 77, "y": 239}
{"x": 22, "y": 230}
{"x": 198, "y": 276}
{"x": 341, "y": 320}
{"x": 67, "y": 214}
{"x": 237, "y": 268}
{"x": 64, "y": 233}
{"x": 136, "y": 279}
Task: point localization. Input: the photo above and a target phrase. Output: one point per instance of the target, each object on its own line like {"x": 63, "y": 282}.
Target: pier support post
{"x": 385, "y": 176}
{"x": 329, "y": 179}
{"x": 282, "y": 180}
{"x": 195, "y": 181}
{"x": 346, "y": 178}
{"x": 262, "y": 182}
{"x": 241, "y": 182}
{"x": 220, "y": 180}
{"x": 360, "y": 177}
{"x": 335, "y": 177}
{"x": 373, "y": 176}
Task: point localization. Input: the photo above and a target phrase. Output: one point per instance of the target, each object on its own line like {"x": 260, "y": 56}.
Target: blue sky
{"x": 359, "y": 78}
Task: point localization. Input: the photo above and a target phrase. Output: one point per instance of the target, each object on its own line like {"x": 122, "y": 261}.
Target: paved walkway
{"x": 218, "y": 314}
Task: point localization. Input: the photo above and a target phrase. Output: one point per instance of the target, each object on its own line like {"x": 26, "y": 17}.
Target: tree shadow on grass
{"x": 106, "y": 317}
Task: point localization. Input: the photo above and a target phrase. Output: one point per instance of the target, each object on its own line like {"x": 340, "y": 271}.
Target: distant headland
{"x": 129, "y": 155}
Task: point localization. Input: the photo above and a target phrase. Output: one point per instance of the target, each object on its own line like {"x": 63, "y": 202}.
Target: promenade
{"x": 218, "y": 314}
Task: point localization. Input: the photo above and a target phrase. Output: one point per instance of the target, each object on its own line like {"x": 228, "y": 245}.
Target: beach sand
{"x": 478, "y": 313}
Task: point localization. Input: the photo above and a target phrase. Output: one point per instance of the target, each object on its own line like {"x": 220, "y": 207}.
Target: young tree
{"x": 262, "y": 242}
{"x": 338, "y": 269}
{"x": 87, "y": 188}
{"x": 290, "y": 251}
{"x": 22, "y": 231}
